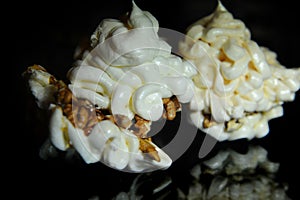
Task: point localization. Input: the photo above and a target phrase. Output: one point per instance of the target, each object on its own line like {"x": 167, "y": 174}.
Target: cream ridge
{"x": 240, "y": 85}
{"x": 115, "y": 93}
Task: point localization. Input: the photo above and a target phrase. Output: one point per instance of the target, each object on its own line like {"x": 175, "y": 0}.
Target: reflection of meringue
{"x": 227, "y": 175}
{"x": 233, "y": 175}
{"x": 240, "y": 86}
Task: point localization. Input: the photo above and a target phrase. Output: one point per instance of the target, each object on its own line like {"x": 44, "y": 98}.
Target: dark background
{"x": 47, "y": 33}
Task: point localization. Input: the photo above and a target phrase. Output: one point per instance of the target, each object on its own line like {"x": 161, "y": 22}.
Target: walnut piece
{"x": 147, "y": 147}
{"x": 171, "y": 106}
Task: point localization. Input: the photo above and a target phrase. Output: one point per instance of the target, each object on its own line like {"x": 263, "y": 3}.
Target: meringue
{"x": 130, "y": 65}
{"x": 76, "y": 123}
{"x": 130, "y": 71}
{"x": 128, "y": 80}
{"x": 240, "y": 85}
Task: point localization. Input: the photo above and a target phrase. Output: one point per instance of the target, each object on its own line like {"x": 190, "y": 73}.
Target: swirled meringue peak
{"x": 128, "y": 80}
{"x": 240, "y": 85}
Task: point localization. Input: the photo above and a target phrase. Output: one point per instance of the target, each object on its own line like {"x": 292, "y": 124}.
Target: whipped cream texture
{"x": 240, "y": 86}
{"x": 132, "y": 68}
{"x": 130, "y": 79}
{"x": 115, "y": 93}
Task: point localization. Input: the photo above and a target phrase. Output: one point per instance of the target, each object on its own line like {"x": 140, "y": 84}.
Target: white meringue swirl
{"x": 240, "y": 86}
{"x": 129, "y": 71}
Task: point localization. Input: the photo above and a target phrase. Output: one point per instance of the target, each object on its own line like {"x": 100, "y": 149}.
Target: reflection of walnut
{"x": 171, "y": 105}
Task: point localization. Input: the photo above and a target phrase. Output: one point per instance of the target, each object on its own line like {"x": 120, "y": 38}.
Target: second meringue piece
{"x": 240, "y": 86}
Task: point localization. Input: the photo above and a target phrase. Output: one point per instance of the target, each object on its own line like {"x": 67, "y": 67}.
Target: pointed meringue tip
{"x": 220, "y": 6}
{"x": 135, "y": 8}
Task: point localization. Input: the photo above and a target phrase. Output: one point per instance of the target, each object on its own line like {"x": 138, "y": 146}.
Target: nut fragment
{"x": 232, "y": 125}
{"x": 171, "y": 105}
{"x": 122, "y": 121}
{"x": 147, "y": 147}
{"x": 109, "y": 117}
{"x": 64, "y": 96}
{"x": 99, "y": 114}
{"x": 80, "y": 112}
{"x": 35, "y": 67}
{"x": 141, "y": 127}
{"x": 82, "y": 117}
{"x": 171, "y": 110}
{"x": 208, "y": 122}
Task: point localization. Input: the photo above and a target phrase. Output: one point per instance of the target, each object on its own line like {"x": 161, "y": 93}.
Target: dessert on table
{"x": 124, "y": 82}
{"x": 240, "y": 85}
{"x": 129, "y": 79}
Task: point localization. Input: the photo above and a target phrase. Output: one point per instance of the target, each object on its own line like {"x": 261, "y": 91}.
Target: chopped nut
{"x": 122, "y": 121}
{"x": 86, "y": 115}
{"x": 68, "y": 112}
{"x": 82, "y": 117}
{"x": 165, "y": 100}
{"x": 171, "y": 105}
{"x": 60, "y": 85}
{"x": 37, "y": 67}
{"x": 92, "y": 121}
{"x": 147, "y": 147}
{"x": 208, "y": 122}
{"x": 64, "y": 96}
{"x": 99, "y": 114}
{"x": 171, "y": 110}
{"x": 109, "y": 117}
{"x": 232, "y": 125}
{"x": 141, "y": 126}
{"x": 67, "y": 109}
{"x": 52, "y": 80}
{"x": 176, "y": 103}
{"x": 80, "y": 112}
